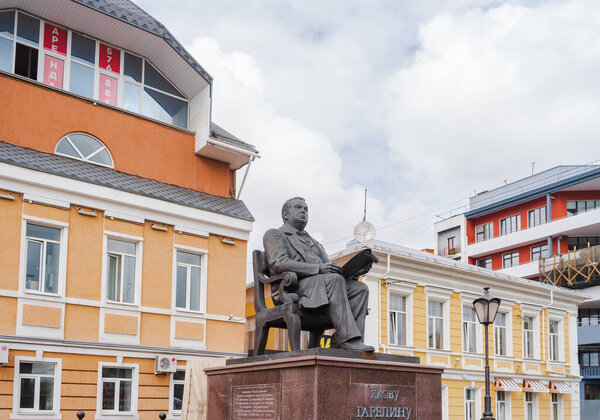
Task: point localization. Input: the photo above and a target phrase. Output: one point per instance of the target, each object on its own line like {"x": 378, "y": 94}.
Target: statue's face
{"x": 297, "y": 214}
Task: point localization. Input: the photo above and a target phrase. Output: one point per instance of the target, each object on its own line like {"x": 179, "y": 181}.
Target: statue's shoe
{"x": 356, "y": 345}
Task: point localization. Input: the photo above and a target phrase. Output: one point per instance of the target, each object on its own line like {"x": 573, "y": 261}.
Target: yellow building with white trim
{"x": 421, "y": 305}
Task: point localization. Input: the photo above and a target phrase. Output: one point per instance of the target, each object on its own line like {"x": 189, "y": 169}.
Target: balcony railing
{"x": 445, "y": 252}
{"x": 590, "y": 371}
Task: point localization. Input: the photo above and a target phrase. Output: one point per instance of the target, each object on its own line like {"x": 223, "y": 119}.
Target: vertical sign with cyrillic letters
{"x": 110, "y": 59}
{"x": 108, "y": 90}
{"x": 53, "y": 71}
{"x": 55, "y": 39}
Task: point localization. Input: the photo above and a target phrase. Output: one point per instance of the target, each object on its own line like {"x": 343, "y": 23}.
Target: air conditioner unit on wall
{"x": 165, "y": 364}
{"x": 3, "y": 354}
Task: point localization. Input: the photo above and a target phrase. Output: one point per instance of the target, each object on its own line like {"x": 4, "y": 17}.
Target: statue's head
{"x": 295, "y": 212}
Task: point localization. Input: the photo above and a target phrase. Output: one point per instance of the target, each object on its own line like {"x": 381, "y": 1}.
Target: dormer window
{"x": 84, "y": 147}
{"x": 87, "y": 67}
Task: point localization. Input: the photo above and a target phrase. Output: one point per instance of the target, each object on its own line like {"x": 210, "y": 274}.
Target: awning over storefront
{"x": 506, "y": 384}
{"x": 561, "y": 387}
{"x": 534, "y": 386}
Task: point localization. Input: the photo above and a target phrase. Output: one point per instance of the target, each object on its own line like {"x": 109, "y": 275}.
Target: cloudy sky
{"x": 421, "y": 102}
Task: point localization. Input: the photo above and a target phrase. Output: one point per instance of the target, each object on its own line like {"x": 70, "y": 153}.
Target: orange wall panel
{"x": 126, "y": 228}
{"x": 224, "y": 336}
{"x": 84, "y": 265}
{"x": 8, "y": 324}
{"x": 10, "y": 237}
{"x": 81, "y": 322}
{"x": 120, "y": 324}
{"x": 189, "y": 330}
{"x": 46, "y": 212}
{"x": 37, "y": 117}
{"x": 157, "y": 268}
{"x": 42, "y": 316}
{"x": 155, "y": 330}
{"x": 190, "y": 240}
{"x": 226, "y": 278}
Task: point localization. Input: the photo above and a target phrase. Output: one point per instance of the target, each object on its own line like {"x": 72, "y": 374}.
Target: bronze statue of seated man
{"x": 321, "y": 284}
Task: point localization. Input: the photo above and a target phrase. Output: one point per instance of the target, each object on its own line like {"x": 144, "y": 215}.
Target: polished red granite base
{"x": 318, "y": 386}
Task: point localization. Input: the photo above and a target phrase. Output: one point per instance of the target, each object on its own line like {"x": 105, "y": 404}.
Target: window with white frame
{"x": 554, "y": 340}
{"x": 470, "y": 404}
{"x": 435, "y": 325}
{"x": 539, "y": 251}
{"x": 118, "y": 390}
{"x": 36, "y": 49}
{"x": 528, "y": 337}
{"x": 530, "y": 406}
{"x": 469, "y": 330}
{"x": 37, "y": 387}
{"x": 484, "y": 232}
{"x": 397, "y": 320}
{"x": 581, "y": 206}
{"x": 121, "y": 266}
{"x": 500, "y": 334}
{"x": 555, "y": 408}
{"x": 510, "y": 259}
{"x": 177, "y": 382}
{"x": 42, "y": 258}
{"x": 536, "y": 217}
{"x": 484, "y": 263}
{"x": 501, "y": 406}
{"x": 189, "y": 278}
{"x": 510, "y": 224}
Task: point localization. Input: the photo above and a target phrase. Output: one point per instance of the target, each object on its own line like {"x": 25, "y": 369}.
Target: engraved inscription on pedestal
{"x": 377, "y": 401}
{"x": 256, "y": 402}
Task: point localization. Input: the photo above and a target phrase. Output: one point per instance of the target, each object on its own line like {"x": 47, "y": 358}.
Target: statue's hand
{"x": 330, "y": 268}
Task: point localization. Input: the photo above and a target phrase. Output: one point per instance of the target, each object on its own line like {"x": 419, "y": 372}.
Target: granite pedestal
{"x": 324, "y": 384}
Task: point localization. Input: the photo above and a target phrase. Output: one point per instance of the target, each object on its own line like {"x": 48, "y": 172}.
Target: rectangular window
{"x": 43, "y": 258}
{"x": 469, "y": 330}
{"x": 470, "y": 399}
{"x": 581, "y": 206}
{"x": 528, "y": 337}
{"x": 397, "y": 320}
{"x": 501, "y": 405}
{"x": 529, "y": 406}
{"x": 188, "y": 290}
{"x": 435, "y": 319}
{"x": 484, "y": 232}
{"x": 510, "y": 259}
{"x": 121, "y": 258}
{"x": 178, "y": 380}
{"x": 484, "y": 263}
{"x": 117, "y": 390}
{"x": 536, "y": 217}
{"x": 579, "y": 242}
{"x": 553, "y": 340}
{"x": 36, "y": 386}
{"x": 451, "y": 244}
{"x": 539, "y": 251}
{"x": 500, "y": 334}
{"x": 555, "y": 407}
{"x": 510, "y": 224}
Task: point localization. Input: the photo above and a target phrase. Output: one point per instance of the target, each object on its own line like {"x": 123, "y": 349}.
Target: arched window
{"x": 84, "y": 147}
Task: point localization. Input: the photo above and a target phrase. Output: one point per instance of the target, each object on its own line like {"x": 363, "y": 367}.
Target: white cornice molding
{"x": 54, "y": 190}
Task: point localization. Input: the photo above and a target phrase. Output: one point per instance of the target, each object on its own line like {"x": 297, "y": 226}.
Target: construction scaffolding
{"x": 577, "y": 269}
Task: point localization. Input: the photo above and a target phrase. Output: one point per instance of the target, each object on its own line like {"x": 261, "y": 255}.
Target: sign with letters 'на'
{"x": 377, "y": 401}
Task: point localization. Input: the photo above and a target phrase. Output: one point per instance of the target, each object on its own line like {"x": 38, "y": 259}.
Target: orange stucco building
{"x": 123, "y": 245}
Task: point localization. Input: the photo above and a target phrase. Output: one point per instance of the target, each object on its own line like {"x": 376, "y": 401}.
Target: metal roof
{"x": 129, "y": 12}
{"x": 223, "y": 135}
{"x": 108, "y": 177}
{"x": 531, "y": 187}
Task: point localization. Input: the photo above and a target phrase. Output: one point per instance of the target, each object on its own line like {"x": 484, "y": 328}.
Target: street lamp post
{"x": 486, "y": 308}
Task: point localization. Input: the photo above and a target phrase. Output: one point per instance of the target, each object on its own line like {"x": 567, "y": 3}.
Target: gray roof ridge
{"x": 123, "y": 181}
{"x": 219, "y": 132}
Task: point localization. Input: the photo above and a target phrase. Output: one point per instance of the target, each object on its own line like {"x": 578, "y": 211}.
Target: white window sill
{"x": 34, "y": 415}
{"x": 115, "y": 416}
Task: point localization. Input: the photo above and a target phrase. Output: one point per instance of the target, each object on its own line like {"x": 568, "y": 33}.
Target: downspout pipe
{"x": 245, "y": 176}
{"x": 548, "y": 220}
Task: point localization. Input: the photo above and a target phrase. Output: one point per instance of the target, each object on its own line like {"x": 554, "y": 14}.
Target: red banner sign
{"x": 53, "y": 71}
{"x": 108, "y": 90}
{"x": 110, "y": 58}
{"x": 55, "y": 39}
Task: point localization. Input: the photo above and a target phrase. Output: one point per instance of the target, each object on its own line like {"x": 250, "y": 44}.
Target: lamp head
{"x": 486, "y": 307}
